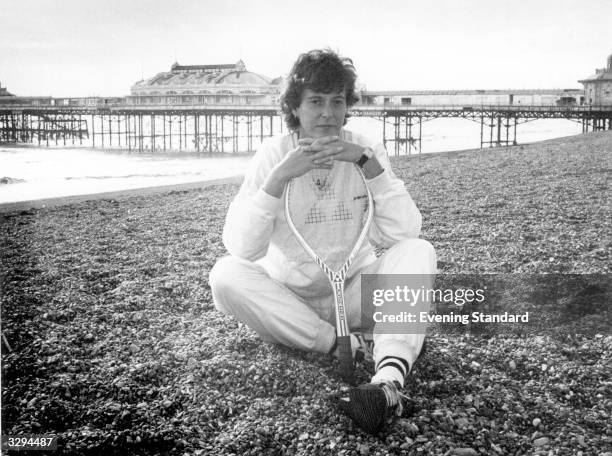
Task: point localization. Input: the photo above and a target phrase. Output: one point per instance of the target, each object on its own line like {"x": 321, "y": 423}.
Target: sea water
{"x": 30, "y": 173}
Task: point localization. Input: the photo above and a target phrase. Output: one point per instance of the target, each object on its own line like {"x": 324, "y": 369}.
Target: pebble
{"x": 497, "y": 448}
{"x": 536, "y": 422}
{"x": 541, "y": 441}
{"x": 465, "y": 452}
{"x": 364, "y": 450}
{"x": 263, "y": 430}
{"x": 410, "y": 427}
{"x": 462, "y": 422}
{"x": 512, "y": 364}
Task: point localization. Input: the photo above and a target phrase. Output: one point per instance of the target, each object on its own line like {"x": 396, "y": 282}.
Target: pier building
{"x": 217, "y": 84}
{"x": 598, "y": 87}
{"x": 4, "y": 92}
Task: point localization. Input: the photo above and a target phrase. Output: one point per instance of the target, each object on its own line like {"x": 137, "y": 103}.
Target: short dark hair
{"x": 320, "y": 70}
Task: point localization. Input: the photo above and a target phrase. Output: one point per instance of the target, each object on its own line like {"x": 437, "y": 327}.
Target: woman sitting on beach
{"x": 269, "y": 283}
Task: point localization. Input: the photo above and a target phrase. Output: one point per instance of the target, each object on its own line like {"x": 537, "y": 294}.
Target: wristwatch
{"x": 367, "y": 154}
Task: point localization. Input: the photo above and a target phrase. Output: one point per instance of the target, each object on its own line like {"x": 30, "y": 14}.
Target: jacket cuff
{"x": 266, "y": 202}
{"x": 380, "y": 183}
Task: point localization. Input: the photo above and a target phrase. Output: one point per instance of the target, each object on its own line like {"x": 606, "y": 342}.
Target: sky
{"x": 101, "y": 48}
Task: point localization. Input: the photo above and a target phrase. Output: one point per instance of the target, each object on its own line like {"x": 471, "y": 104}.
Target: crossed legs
{"x": 245, "y": 290}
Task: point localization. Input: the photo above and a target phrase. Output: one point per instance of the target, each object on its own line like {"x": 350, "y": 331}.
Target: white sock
{"x": 391, "y": 369}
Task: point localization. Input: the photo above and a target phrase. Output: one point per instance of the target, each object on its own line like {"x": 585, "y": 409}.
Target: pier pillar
{"x": 153, "y": 133}
{"x": 384, "y": 119}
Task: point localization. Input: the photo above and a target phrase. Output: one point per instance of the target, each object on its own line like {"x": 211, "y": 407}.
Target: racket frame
{"x": 337, "y": 278}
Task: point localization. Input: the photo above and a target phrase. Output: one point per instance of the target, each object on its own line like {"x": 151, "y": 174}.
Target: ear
{"x": 295, "y": 113}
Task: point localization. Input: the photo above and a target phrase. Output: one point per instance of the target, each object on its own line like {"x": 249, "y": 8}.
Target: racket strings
{"x": 329, "y": 207}
{"x": 329, "y": 210}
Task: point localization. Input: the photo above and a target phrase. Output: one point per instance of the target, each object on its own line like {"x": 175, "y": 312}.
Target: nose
{"x": 327, "y": 111}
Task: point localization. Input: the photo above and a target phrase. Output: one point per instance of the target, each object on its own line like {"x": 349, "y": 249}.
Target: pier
{"x": 115, "y": 123}
{"x": 403, "y": 125}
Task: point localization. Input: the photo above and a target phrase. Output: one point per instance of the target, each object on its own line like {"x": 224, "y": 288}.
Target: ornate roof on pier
{"x": 604, "y": 74}
{"x": 197, "y": 77}
{"x": 5, "y": 93}
{"x": 601, "y": 75}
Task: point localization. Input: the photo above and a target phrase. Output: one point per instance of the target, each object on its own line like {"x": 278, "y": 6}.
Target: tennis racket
{"x": 330, "y": 211}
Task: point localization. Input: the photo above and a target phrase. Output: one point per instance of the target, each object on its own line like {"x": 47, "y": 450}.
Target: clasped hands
{"x": 311, "y": 153}
{"x": 320, "y": 153}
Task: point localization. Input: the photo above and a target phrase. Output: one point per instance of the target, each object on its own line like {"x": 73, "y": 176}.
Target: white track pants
{"x": 245, "y": 290}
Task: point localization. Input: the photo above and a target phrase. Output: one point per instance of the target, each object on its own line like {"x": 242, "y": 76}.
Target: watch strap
{"x": 367, "y": 154}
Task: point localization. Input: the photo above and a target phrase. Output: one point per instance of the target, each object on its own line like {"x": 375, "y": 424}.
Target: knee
{"x": 222, "y": 280}
{"x": 420, "y": 251}
{"x": 426, "y": 251}
{"x": 217, "y": 278}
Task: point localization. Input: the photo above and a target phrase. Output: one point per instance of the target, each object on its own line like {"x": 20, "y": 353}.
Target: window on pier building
{"x": 406, "y": 101}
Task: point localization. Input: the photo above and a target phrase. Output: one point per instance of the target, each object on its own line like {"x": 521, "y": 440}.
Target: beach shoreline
{"x": 113, "y": 195}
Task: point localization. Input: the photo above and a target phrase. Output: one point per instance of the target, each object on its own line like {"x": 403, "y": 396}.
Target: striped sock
{"x": 391, "y": 369}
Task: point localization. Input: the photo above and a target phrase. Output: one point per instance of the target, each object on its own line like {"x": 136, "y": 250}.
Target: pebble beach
{"x": 111, "y": 340}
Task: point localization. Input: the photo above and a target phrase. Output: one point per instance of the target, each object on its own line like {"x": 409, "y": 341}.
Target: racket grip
{"x": 347, "y": 368}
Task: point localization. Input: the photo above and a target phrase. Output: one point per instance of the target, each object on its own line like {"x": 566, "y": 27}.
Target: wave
{"x": 130, "y": 176}
{"x": 10, "y": 180}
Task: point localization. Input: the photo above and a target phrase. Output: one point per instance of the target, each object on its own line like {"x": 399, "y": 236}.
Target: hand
{"x": 310, "y": 154}
{"x": 347, "y": 151}
{"x": 351, "y": 152}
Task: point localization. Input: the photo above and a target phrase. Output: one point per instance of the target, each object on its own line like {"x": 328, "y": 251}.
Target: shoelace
{"x": 364, "y": 347}
{"x": 394, "y": 397}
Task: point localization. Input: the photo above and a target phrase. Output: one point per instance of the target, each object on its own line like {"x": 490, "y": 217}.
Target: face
{"x": 321, "y": 114}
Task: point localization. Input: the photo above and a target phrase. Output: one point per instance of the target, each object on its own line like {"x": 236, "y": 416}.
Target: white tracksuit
{"x": 269, "y": 283}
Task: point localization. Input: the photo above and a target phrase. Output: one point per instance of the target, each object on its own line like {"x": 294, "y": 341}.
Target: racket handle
{"x": 347, "y": 368}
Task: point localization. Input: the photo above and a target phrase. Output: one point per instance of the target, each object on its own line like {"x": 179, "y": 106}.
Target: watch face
{"x": 364, "y": 158}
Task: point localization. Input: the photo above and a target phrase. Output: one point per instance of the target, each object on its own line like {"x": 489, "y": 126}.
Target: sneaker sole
{"x": 367, "y": 407}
